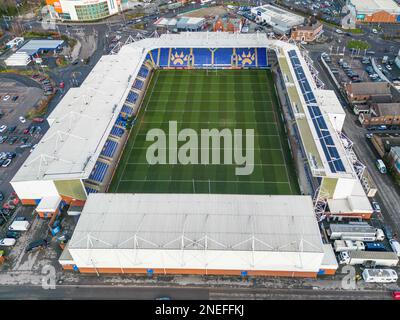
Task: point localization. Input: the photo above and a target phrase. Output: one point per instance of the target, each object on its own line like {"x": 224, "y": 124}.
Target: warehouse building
{"x": 376, "y": 11}
{"x": 206, "y": 234}
{"x": 280, "y": 20}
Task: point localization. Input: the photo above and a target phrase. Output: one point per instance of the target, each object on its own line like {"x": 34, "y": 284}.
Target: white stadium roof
{"x": 197, "y": 231}
{"x": 81, "y": 122}
{"x": 230, "y": 222}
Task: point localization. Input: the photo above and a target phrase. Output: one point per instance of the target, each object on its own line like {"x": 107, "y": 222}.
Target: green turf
{"x": 200, "y": 99}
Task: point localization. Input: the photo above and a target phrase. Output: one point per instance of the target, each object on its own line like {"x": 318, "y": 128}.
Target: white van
{"x": 379, "y": 275}
{"x": 381, "y": 166}
{"x": 395, "y": 246}
{"x": 7, "y": 242}
{"x": 19, "y": 226}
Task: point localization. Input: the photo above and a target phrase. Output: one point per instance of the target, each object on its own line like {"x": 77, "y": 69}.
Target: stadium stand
{"x": 138, "y": 84}
{"x": 262, "y": 60}
{"x": 223, "y": 56}
{"x": 117, "y": 131}
{"x": 132, "y": 97}
{"x": 120, "y": 122}
{"x": 325, "y": 139}
{"x": 179, "y": 57}
{"x": 164, "y": 57}
{"x": 91, "y": 190}
{"x": 99, "y": 172}
{"x": 202, "y": 57}
{"x": 109, "y": 148}
{"x": 246, "y": 57}
{"x": 143, "y": 72}
{"x": 127, "y": 110}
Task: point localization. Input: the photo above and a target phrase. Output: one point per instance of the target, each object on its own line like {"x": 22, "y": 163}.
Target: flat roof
{"x": 198, "y": 222}
{"x": 33, "y": 46}
{"x": 279, "y": 14}
{"x": 371, "y": 6}
{"x": 69, "y": 150}
{"x": 315, "y": 153}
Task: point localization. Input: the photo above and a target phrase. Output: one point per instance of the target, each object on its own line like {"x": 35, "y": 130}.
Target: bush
{"x": 358, "y": 44}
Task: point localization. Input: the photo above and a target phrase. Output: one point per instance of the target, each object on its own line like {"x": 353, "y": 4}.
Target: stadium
{"x": 197, "y": 218}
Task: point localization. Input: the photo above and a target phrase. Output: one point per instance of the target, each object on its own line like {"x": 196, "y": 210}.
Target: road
{"x": 388, "y": 193}
{"x": 72, "y": 292}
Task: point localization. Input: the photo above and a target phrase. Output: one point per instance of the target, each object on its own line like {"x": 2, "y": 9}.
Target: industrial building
{"x": 83, "y": 10}
{"x": 376, "y": 11}
{"x": 207, "y": 234}
{"x": 32, "y": 48}
{"x": 280, "y": 20}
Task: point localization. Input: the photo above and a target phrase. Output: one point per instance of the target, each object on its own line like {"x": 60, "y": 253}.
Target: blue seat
{"x": 202, "y": 57}
{"x": 109, "y": 148}
{"x": 262, "y": 59}
{"x": 143, "y": 72}
{"x": 246, "y": 57}
{"x": 164, "y": 57}
{"x": 138, "y": 84}
{"x": 99, "y": 171}
{"x": 132, "y": 97}
{"x": 179, "y": 57}
{"x": 90, "y": 190}
{"x": 117, "y": 132}
{"x": 126, "y": 109}
{"x": 223, "y": 56}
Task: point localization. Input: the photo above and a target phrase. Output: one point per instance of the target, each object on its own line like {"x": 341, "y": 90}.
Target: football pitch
{"x": 208, "y": 99}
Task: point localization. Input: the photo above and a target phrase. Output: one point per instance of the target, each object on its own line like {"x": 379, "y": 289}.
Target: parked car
{"x": 376, "y": 206}
{"x": 1, "y": 196}
{"x": 12, "y": 129}
{"x": 389, "y": 67}
{"x": 3, "y": 128}
{"x": 12, "y": 140}
{"x": 38, "y": 120}
{"x": 7, "y": 242}
{"x": 37, "y": 244}
{"x": 13, "y": 234}
{"x": 22, "y": 119}
{"x": 15, "y": 98}
{"x": 6, "y": 163}
{"x": 6, "y": 97}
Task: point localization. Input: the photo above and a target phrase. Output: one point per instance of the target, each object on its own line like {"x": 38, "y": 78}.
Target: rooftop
{"x": 198, "y": 222}
{"x": 371, "y": 6}
{"x": 69, "y": 150}
{"x": 279, "y": 14}
{"x": 369, "y": 88}
{"x": 33, "y": 46}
